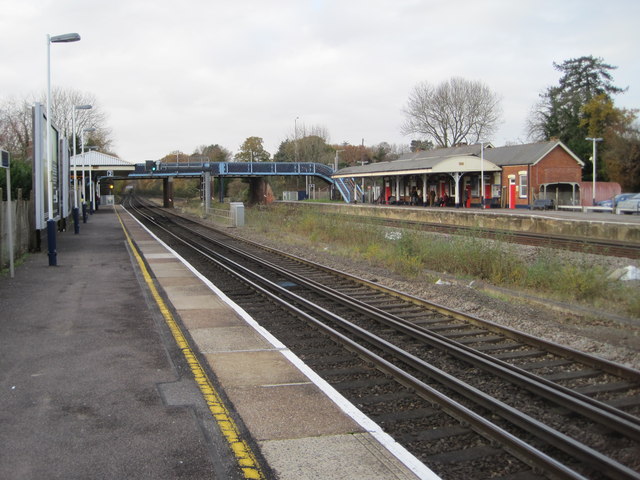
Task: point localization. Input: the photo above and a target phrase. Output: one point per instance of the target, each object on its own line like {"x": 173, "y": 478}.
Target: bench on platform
{"x": 598, "y": 209}
{"x": 570, "y": 207}
{"x": 542, "y": 204}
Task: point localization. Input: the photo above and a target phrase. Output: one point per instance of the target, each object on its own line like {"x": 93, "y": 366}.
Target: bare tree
{"x": 63, "y": 102}
{"x": 453, "y": 112}
{"x": 215, "y": 153}
{"x": 16, "y": 122}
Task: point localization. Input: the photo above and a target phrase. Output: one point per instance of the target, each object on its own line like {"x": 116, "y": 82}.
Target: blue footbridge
{"x": 155, "y": 169}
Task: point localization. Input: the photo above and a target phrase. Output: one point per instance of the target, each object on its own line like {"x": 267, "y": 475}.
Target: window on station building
{"x": 524, "y": 188}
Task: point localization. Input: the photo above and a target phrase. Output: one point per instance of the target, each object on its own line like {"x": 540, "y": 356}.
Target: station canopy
{"x": 419, "y": 164}
{"x": 101, "y": 161}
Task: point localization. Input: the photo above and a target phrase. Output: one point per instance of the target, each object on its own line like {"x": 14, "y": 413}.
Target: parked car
{"x": 613, "y": 202}
{"x": 631, "y": 205}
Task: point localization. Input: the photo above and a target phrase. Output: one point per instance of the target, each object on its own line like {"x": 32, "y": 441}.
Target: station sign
{"x": 5, "y": 159}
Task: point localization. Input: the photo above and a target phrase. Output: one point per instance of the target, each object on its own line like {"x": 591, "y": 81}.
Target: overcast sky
{"x": 174, "y": 75}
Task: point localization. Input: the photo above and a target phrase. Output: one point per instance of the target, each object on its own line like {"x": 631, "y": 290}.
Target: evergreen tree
{"x": 561, "y": 112}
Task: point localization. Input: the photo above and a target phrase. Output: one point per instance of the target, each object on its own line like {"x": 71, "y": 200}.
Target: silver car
{"x": 631, "y": 205}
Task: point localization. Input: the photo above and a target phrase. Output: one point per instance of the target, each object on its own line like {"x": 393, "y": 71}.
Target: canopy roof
{"x": 97, "y": 159}
{"x": 455, "y": 163}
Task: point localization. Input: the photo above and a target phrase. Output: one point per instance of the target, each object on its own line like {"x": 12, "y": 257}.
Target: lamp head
{"x": 65, "y": 38}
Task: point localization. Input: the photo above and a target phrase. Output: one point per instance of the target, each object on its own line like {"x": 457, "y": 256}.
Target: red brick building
{"x": 527, "y": 168}
{"x": 513, "y": 176}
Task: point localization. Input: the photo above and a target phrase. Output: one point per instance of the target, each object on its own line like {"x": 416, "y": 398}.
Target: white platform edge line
{"x": 401, "y": 453}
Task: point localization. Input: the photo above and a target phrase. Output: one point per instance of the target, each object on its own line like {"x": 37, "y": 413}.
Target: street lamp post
{"x": 594, "y": 140}
{"x": 84, "y": 185}
{"x": 295, "y": 137}
{"x": 76, "y": 224}
{"x": 51, "y": 223}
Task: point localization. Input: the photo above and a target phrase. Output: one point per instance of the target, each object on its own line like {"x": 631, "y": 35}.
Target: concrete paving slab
{"x": 161, "y": 269}
{"x": 289, "y": 411}
{"x": 187, "y": 290}
{"x": 156, "y": 256}
{"x": 335, "y": 457}
{"x": 209, "y": 318}
{"x": 187, "y": 302}
{"x": 169, "y": 273}
{"x": 228, "y": 339}
{"x": 155, "y": 261}
{"x": 241, "y": 369}
{"x": 149, "y": 245}
{"x": 183, "y": 281}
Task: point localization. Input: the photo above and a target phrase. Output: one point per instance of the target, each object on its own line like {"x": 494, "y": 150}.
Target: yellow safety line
{"x": 244, "y": 456}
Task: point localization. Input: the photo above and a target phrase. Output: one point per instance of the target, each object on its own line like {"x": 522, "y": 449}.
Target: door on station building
{"x": 487, "y": 195}
{"x": 512, "y": 192}
{"x": 443, "y": 189}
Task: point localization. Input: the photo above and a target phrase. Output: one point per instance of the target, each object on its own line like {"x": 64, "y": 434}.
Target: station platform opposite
{"x": 588, "y": 225}
{"x": 124, "y": 362}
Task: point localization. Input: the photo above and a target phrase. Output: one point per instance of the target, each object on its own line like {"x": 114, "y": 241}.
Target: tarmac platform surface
{"x": 99, "y": 376}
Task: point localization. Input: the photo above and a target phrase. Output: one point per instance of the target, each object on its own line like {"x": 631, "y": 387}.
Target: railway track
{"x": 469, "y": 398}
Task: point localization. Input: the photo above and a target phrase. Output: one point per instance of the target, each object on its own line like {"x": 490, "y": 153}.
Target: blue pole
{"x": 51, "y": 242}
{"x": 76, "y": 220}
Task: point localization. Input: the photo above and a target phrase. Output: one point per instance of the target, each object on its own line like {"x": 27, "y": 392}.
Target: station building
{"x": 513, "y": 176}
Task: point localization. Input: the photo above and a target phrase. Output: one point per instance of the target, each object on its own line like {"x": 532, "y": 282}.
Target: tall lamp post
{"x": 295, "y": 137}
{"x": 76, "y": 224}
{"x": 594, "y": 140}
{"x": 84, "y": 184}
{"x": 51, "y": 223}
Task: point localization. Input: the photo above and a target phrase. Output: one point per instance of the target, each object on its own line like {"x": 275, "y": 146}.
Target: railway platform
{"x": 123, "y": 362}
{"x": 580, "y": 225}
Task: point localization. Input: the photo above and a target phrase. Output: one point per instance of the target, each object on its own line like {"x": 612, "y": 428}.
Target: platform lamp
{"x": 51, "y": 223}
{"x": 84, "y": 184}
{"x": 76, "y": 225}
{"x": 594, "y": 140}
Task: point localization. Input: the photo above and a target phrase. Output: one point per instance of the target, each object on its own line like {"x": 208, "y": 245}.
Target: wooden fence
{"x": 22, "y": 217}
